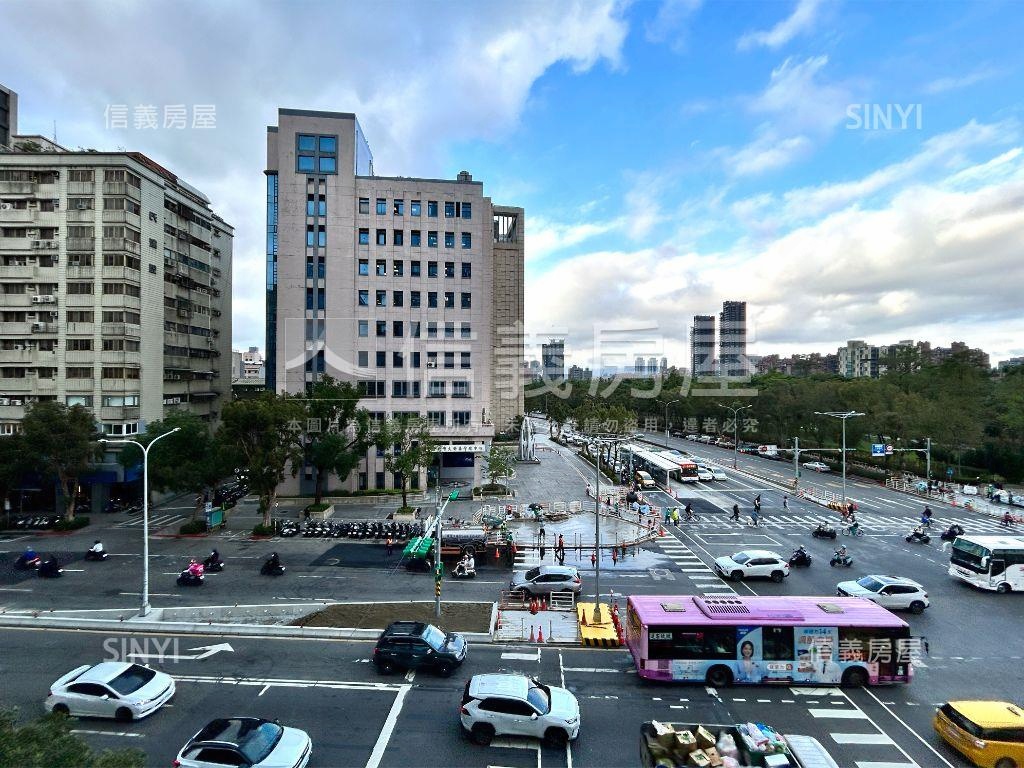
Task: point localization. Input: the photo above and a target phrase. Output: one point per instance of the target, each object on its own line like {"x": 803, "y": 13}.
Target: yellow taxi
{"x": 988, "y": 733}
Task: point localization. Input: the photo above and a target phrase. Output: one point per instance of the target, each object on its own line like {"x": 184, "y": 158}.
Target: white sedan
{"x": 817, "y": 466}
{"x": 718, "y": 473}
{"x": 753, "y": 562}
{"x": 114, "y": 689}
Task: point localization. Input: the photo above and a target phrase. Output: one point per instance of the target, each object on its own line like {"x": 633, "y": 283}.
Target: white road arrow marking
{"x": 207, "y": 651}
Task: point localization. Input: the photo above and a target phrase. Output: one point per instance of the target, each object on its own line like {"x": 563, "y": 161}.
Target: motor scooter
{"x": 214, "y": 563}
{"x": 50, "y": 569}
{"x": 26, "y": 562}
{"x": 800, "y": 558}
{"x": 918, "y": 536}
{"x": 824, "y": 531}
{"x": 188, "y": 579}
{"x": 952, "y": 532}
{"x": 466, "y": 569}
{"x": 841, "y": 561}
{"x": 95, "y": 556}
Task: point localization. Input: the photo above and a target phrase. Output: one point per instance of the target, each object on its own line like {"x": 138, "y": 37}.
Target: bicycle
{"x": 690, "y": 518}
{"x": 852, "y": 530}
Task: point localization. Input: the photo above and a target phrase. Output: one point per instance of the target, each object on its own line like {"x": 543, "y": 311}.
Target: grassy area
{"x": 456, "y": 617}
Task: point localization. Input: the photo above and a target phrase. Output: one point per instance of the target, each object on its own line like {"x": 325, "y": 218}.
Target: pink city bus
{"x": 719, "y": 641}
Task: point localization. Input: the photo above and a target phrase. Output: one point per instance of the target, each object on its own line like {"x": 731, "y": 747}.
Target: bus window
{"x": 720, "y": 643}
{"x": 778, "y": 644}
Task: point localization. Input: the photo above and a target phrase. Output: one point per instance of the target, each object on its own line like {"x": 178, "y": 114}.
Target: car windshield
{"x": 434, "y": 637}
{"x": 533, "y": 573}
{"x": 258, "y": 742}
{"x": 740, "y": 557}
{"x": 870, "y": 584}
{"x": 131, "y": 679}
{"x": 540, "y": 697}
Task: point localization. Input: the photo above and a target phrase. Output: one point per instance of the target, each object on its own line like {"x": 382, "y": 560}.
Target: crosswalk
{"x": 155, "y": 521}
{"x": 693, "y": 568}
{"x": 869, "y": 523}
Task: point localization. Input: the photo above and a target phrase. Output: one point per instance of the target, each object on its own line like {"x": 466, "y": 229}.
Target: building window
{"x": 449, "y": 300}
{"x": 398, "y": 208}
{"x": 460, "y": 388}
{"x": 381, "y": 268}
{"x": 414, "y": 298}
{"x": 466, "y": 332}
{"x": 465, "y": 360}
{"x": 363, "y": 358}
{"x": 467, "y": 300}
{"x": 467, "y": 270}
{"x": 431, "y": 359}
{"x": 328, "y": 144}
{"x": 381, "y": 358}
{"x": 382, "y": 328}
{"x": 414, "y": 268}
{"x": 305, "y": 163}
{"x": 460, "y": 418}
{"x": 307, "y": 143}
{"x": 431, "y": 269}
{"x": 309, "y": 298}
{"x": 449, "y": 359}
{"x": 382, "y": 298}
{"x": 398, "y": 237}
{"x": 414, "y": 329}
{"x": 467, "y": 210}
{"x": 414, "y": 208}
{"x": 449, "y": 269}
{"x": 382, "y": 206}
{"x": 436, "y": 389}
{"x": 398, "y": 329}
{"x": 321, "y": 238}
{"x": 321, "y": 269}
{"x": 364, "y": 298}
{"x": 435, "y": 418}
{"x": 449, "y": 330}
{"x": 414, "y": 361}
{"x": 364, "y": 328}
{"x": 397, "y": 299}
{"x": 467, "y": 239}
{"x": 364, "y": 236}
{"x": 362, "y": 482}
{"x": 397, "y": 360}
{"x": 432, "y": 299}
{"x": 432, "y": 208}
{"x": 449, "y": 210}
{"x": 432, "y": 239}
{"x": 382, "y": 237}
{"x": 364, "y": 205}
{"x": 414, "y": 238}
{"x": 364, "y": 267}
{"x": 449, "y": 239}
{"x": 399, "y": 267}
{"x": 431, "y": 329}
{"x": 328, "y": 165}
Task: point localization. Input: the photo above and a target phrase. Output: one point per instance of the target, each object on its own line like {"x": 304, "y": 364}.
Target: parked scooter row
{"x": 36, "y": 522}
{"x": 376, "y": 529}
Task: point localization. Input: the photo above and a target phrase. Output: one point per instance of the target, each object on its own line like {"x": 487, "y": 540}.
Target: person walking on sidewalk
{"x": 389, "y": 546}
{"x": 735, "y": 513}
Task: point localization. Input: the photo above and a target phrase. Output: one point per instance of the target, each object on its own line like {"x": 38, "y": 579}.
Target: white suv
{"x": 516, "y": 705}
{"x": 894, "y": 592}
{"x": 753, "y": 562}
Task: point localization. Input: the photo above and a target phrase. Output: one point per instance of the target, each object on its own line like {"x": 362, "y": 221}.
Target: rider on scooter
{"x": 195, "y": 569}
{"x": 841, "y": 552}
{"x": 97, "y": 547}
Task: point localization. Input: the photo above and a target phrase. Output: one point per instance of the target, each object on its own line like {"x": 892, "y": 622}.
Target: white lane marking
{"x": 13, "y": 589}
{"x": 153, "y": 594}
{"x": 126, "y": 734}
{"x": 912, "y": 731}
{"x": 388, "y": 728}
{"x": 263, "y": 690}
{"x": 842, "y": 714}
{"x": 873, "y": 764}
{"x": 862, "y": 738}
{"x": 595, "y": 669}
{"x": 522, "y": 656}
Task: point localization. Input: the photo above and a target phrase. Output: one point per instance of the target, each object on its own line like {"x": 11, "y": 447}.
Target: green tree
{"x": 343, "y": 433}
{"x": 409, "y": 447}
{"x": 48, "y": 741}
{"x": 13, "y": 464}
{"x": 189, "y": 461}
{"x": 61, "y": 441}
{"x": 264, "y": 436}
{"x": 498, "y": 462}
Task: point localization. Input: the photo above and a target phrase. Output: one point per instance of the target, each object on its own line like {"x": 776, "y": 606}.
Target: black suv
{"x": 413, "y": 644}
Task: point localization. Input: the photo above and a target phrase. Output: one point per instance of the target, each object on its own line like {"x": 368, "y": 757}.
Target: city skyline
{"x": 786, "y": 175}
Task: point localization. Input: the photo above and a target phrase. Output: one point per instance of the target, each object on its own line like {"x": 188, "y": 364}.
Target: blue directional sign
{"x": 878, "y": 449}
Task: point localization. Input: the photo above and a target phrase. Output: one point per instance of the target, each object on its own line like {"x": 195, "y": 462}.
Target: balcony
{"x": 45, "y": 245}
{"x": 12, "y": 412}
{"x": 79, "y": 299}
{"x": 121, "y": 188}
{"x": 45, "y": 386}
{"x": 76, "y": 272}
{"x": 79, "y": 385}
{"x": 20, "y": 330}
{"x": 9, "y": 356}
{"x": 119, "y": 301}
{"x": 23, "y": 216}
{"x": 115, "y": 244}
{"x": 117, "y": 357}
{"x": 74, "y": 244}
{"x": 121, "y": 273}
{"x": 120, "y": 385}
{"x": 17, "y": 187}
{"x": 81, "y": 329}
{"x": 177, "y": 362}
{"x": 119, "y": 412}
{"x": 15, "y": 244}
{"x": 24, "y": 384}
{"x": 16, "y": 300}
{"x": 121, "y": 329}
{"x": 79, "y": 356}
{"x": 20, "y": 272}
{"x": 37, "y": 328}
{"x": 78, "y": 216}
{"x": 122, "y": 217}
{"x": 77, "y": 188}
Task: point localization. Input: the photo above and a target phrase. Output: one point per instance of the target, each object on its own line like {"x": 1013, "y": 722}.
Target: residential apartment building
{"x": 860, "y": 359}
{"x": 8, "y": 115}
{"x": 410, "y": 287}
{"x": 579, "y": 374}
{"x": 732, "y": 340}
{"x": 702, "y": 346}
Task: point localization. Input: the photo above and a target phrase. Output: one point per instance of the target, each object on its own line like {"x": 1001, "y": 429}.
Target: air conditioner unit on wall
{"x": 6, "y": 207}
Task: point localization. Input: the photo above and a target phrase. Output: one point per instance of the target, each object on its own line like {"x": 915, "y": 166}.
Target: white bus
{"x": 989, "y": 562}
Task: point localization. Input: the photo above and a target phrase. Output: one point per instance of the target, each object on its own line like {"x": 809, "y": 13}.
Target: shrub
{"x": 316, "y": 507}
{"x": 71, "y": 525}
{"x": 262, "y": 530}
{"x": 193, "y": 527}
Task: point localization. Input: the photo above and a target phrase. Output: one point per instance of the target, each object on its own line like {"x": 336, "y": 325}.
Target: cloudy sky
{"x": 850, "y": 169}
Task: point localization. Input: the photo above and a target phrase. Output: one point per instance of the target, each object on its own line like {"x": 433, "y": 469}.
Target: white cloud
{"x": 767, "y": 153}
{"x": 671, "y": 22}
{"x": 800, "y": 21}
{"x": 944, "y": 84}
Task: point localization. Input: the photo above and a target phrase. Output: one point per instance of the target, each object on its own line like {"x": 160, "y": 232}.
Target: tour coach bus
{"x": 786, "y": 640}
{"x": 989, "y": 562}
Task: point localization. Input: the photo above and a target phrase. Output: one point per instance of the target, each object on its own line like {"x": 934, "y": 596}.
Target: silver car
{"x": 114, "y": 689}
{"x": 546, "y": 580}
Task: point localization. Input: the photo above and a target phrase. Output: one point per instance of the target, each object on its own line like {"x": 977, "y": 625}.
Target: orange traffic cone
{"x": 583, "y": 617}
{"x": 533, "y": 639}
{"x": 544, "y": 604}
{"x": 540, "y": 635}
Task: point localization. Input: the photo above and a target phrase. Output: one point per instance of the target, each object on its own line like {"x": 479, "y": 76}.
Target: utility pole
{"x": 437, "y": 547}
{"x": 671, "y": 402}
{"x": 736, "y": 427}
{"x": 843, "y": 416}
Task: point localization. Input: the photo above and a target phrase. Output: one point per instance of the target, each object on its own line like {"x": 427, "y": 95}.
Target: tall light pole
{"x": 670, "y": 402}
{"x": 736, "y": 427}
{"x": 597, "y": 525}
{"x": 145, "y": 510}
{"x": 843, "y": 416}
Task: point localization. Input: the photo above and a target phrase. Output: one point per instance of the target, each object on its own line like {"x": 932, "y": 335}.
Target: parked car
{"x": 546, "y": 580}
{"x": 116, "y": 689}
{"x": 706, "y": 439}
{"x": 415, "y": 645}
{"x": 893, "y": 592}
{"x": 248, "y": 741}
{"x": 692, "y": 437}
{"x": 753, "y": 563}
{"x": 817, "y": 466}
{"x": 516, "y": 705}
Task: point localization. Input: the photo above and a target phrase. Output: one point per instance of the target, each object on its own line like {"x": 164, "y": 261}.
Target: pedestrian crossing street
{"x": 870, "y": 523}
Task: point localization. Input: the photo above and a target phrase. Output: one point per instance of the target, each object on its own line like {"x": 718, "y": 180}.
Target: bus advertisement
{"x": 782, "y": 640}
{"x": 989, "y": 562}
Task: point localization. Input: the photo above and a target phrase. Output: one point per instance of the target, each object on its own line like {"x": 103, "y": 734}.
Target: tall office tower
{"x": 553, "y": 359}
{"x": 412, "y": 288}
{"x": 732, "y": 339}
{"x": 702, "y": 346}
{"x": 639, "y": 366}
{"x": 663, "y": 366}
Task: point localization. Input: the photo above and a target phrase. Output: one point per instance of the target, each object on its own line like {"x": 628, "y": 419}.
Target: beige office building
{"x": 115, "y": 289}
{"x": 413, "y": 288}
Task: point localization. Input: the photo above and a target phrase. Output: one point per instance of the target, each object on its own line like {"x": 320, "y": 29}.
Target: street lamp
{"x": 736, "y": 427}
{"x": 145, "y": 510}
{"x": 597, "y": 523}
{"x": 670, "y": 402}
{"x": 843, "y": 416}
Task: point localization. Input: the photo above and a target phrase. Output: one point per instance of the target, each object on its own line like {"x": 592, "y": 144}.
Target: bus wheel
{"x": 719, "y": 677}
{"x": 1003, "y": 588}
{"x": 855, "y": 677}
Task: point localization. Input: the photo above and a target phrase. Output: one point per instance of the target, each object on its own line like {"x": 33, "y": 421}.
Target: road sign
{"x": 888, "y": 450}
{"x": 453, "y": 495}
{"x": 878, "y": 449}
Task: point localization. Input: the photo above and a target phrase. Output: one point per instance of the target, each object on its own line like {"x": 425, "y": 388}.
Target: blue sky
{"x": 669, "y": 155}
